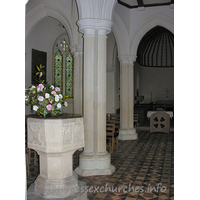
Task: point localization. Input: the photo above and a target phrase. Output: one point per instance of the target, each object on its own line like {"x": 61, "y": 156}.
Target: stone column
{"x": 95, "y": 160}
{"x": 127, "y": 130}
{"x": 78, "y": 85}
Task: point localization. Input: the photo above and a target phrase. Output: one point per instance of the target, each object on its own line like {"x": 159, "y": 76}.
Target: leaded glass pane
{"x": 69, "y": 75}
{"x": 58, "y": 69}
{"x": 64, "y": 45}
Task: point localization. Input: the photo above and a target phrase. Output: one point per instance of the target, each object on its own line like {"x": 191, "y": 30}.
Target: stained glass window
{"x": 63, "y": 68}
{"x": 58, "y": 69}
{"x": 64, "y": 45}
{"x": 69, "y": 74}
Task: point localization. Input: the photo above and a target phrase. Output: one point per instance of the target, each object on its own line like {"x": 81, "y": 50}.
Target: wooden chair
{"x": 111, "y": 134}
{"x": 116, "y": 117}
{"x": 160, "y": 122}
{"x": 136, "y": 121}
{"x": 107, "y": 116}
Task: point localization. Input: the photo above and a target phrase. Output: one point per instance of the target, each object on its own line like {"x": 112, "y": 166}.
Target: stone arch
{"x": 121, "y": 35}
{"x": 111, "y": 49}
{"x": 148, "y": 24}
{"x": 35, "y": 15}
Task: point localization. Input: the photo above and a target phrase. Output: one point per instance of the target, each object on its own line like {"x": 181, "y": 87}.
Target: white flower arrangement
{"x": 45, "y": 99}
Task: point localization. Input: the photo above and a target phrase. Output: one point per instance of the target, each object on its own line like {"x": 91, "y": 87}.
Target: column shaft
{"x": 95, "y": 160}
{"x": 88, "y": 93}
{"x": 101, "y": 94}
{"x": 127, "y": 131}
{"x": 131, "y": 94}
{"x": 123, "y": 95}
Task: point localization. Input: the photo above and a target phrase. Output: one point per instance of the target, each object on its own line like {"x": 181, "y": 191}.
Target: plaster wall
{"x": 124, "y": 14}
{"x": 138, "y": 17}
{"x": 61, "y": 5}
{"x": 154, "y": 81}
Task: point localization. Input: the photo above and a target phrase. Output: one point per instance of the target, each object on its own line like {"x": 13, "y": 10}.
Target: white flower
{"x": 66, "y": 104}
{"x": 47, "y": 95}
{"x": 32, "y": 87}
{"x": 52, "y": 87}
{"x": 56, "y": 98}
{"x": 35, "y": 108}
{"x": 26, "y": 98}
{"x": 40, "y": 98}
{"x": 59, "y": 105}
{"x": 61, "y": 96}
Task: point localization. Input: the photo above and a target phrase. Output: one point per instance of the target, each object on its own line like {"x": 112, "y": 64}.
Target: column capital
{"x": 72, "y": 48}
{"x": 126, "y": 57}
{"x": 132, "y": 58}
{"x": 87, "y": 26}
{"x": 79, "y": 47}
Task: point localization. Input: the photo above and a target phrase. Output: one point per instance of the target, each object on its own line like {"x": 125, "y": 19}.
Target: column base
{"x": 56, "y": 188}
{"x": 127, "y": 134}
{"x": 91, "y": 165}
{"x": 80, "y": 194}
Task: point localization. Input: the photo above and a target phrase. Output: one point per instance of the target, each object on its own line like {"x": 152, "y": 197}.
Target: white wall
{"x": 139, "y": 17}
{"x": 156, "y": 81}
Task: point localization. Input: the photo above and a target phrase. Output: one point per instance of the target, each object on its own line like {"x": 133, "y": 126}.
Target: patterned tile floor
{"x": 144, "y": 169}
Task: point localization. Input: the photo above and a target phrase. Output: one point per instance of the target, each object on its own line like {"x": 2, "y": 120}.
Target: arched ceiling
{"x": 156, "y": 48}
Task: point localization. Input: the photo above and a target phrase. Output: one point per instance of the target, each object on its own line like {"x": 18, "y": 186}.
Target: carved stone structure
{"x": 55, "y": 140}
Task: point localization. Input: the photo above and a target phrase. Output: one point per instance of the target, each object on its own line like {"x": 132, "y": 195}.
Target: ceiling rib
{"x": 141, "y": 4}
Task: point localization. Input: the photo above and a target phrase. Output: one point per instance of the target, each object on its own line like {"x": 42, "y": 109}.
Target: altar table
{"x": 159, "y": 121}
{"x": 149, "y": 113}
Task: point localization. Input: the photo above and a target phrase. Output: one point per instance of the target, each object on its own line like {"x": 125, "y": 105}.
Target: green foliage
{"x": 40, "y": 72}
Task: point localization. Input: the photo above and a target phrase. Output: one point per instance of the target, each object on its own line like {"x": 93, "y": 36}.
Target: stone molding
{"x": 127, "y": 58}
{"x": 43, "y": 10}
{"x": 79, "y": 47}
{"x": 88, "y": 26}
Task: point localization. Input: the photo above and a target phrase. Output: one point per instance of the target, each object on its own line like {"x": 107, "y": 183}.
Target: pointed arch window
{"x": 63, "y": 67}
{"x": 58, "y": 69}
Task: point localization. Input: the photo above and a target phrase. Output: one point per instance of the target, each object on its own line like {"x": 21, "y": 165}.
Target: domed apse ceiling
{"x": 144, "y": 3}
{"x": 156, "y": 48}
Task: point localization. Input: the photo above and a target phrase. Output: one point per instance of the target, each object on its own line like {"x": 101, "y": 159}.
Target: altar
{"x": 160, "y": 121}
{"x": 149, "y": 113}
